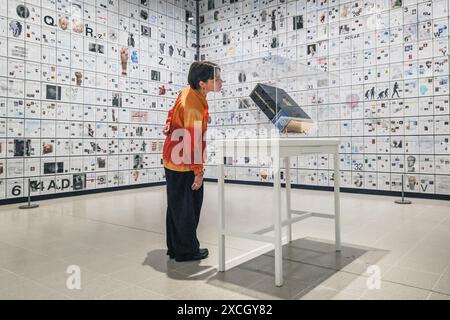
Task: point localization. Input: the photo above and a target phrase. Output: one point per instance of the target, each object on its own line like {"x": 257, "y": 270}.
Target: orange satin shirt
{"x": 190, "y": 109}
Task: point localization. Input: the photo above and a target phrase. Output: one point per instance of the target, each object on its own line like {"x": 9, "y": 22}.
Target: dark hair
{"x": 201, "y": 71}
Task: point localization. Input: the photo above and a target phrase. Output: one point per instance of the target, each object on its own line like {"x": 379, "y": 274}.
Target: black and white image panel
{"x": 84, "y": 90}
{"x": 389, "y": 106}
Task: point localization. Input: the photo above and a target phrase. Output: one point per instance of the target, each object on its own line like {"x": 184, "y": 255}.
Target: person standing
{"x": 184, "y": 153}
{"x": 395, "y": 90}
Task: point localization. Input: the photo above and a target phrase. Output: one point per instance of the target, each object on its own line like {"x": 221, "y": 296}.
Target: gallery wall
{"x": 85, "y": 88}
{"x": 84, "y": 91}
{"x": 389, "y": 105}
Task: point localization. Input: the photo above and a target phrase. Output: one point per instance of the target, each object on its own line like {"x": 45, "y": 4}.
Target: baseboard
{"x": 253, "y": 183}
{"x": 78, "y": 193}
{"x": 342, "y": 189}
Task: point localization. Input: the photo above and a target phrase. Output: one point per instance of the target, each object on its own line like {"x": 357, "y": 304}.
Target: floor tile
{"x": 391, "y": 291}
{"x": 96, "y": 288}
{"x": 438, "y": 296}
{"x": 136, "y": 274}
{"x": 411, "y": 277}
{"x": 133, "y": 293}
{"x": 59, "y": 280}
{"x": 168, "y": 284}
{"x": 324, "y": 293}
{"x": 266, "y": 289}
{"x": 202, "y": 291}
{"x": 13, "y": 287}
{"x": 443, "y": 285}
{"x": 346, "y": 282}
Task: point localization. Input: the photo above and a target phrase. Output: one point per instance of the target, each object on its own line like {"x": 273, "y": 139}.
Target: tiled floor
{"x": 117, "y": 241}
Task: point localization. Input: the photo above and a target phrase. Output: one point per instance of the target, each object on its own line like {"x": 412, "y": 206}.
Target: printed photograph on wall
{"x": 396, "y": 3}
{"x": 124, "y": 54}
{"x": 298, "y": 22}
{"x": 53, "y": 92}
{"x": 79, "y": 181}
{"x": 53, "y": 167}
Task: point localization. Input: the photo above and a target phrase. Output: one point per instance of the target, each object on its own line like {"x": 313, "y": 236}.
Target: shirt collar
{"x": 198, "y": 94}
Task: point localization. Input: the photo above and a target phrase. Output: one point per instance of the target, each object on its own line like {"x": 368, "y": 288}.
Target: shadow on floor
{"x": 189, "y": 270}
{"x": 307, "y": 263}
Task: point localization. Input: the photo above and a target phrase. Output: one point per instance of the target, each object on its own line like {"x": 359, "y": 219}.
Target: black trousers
{"x": 183, "y": 213}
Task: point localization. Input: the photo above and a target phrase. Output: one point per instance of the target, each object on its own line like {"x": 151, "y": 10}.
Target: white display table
{"x": 278, "y": 149}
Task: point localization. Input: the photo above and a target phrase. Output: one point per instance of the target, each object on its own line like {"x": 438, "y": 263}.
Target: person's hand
{"x": 198, "y": 181}
{"x": 166, "y": 130}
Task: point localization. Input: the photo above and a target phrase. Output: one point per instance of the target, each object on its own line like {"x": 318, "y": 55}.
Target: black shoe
{"x": 201, "y": 254}
{"x": 170, "y": 254}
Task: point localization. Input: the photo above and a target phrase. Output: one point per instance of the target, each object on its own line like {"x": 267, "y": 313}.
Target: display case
{"x": 269, "y": 96}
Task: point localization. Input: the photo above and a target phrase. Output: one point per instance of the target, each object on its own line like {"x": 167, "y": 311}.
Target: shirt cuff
{"x": 198, "y": 170}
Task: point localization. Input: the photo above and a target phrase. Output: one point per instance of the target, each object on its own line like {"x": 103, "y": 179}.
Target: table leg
{"x": 337, "y": 206}
{"x": 277, "y": 220}
{"x": 288, "y": 197}
{"x": 221, "y": 216}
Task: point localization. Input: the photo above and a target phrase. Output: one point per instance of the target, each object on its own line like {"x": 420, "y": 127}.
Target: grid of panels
{"x": 390, "y": 106}
{"x": 84, "y": 90}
